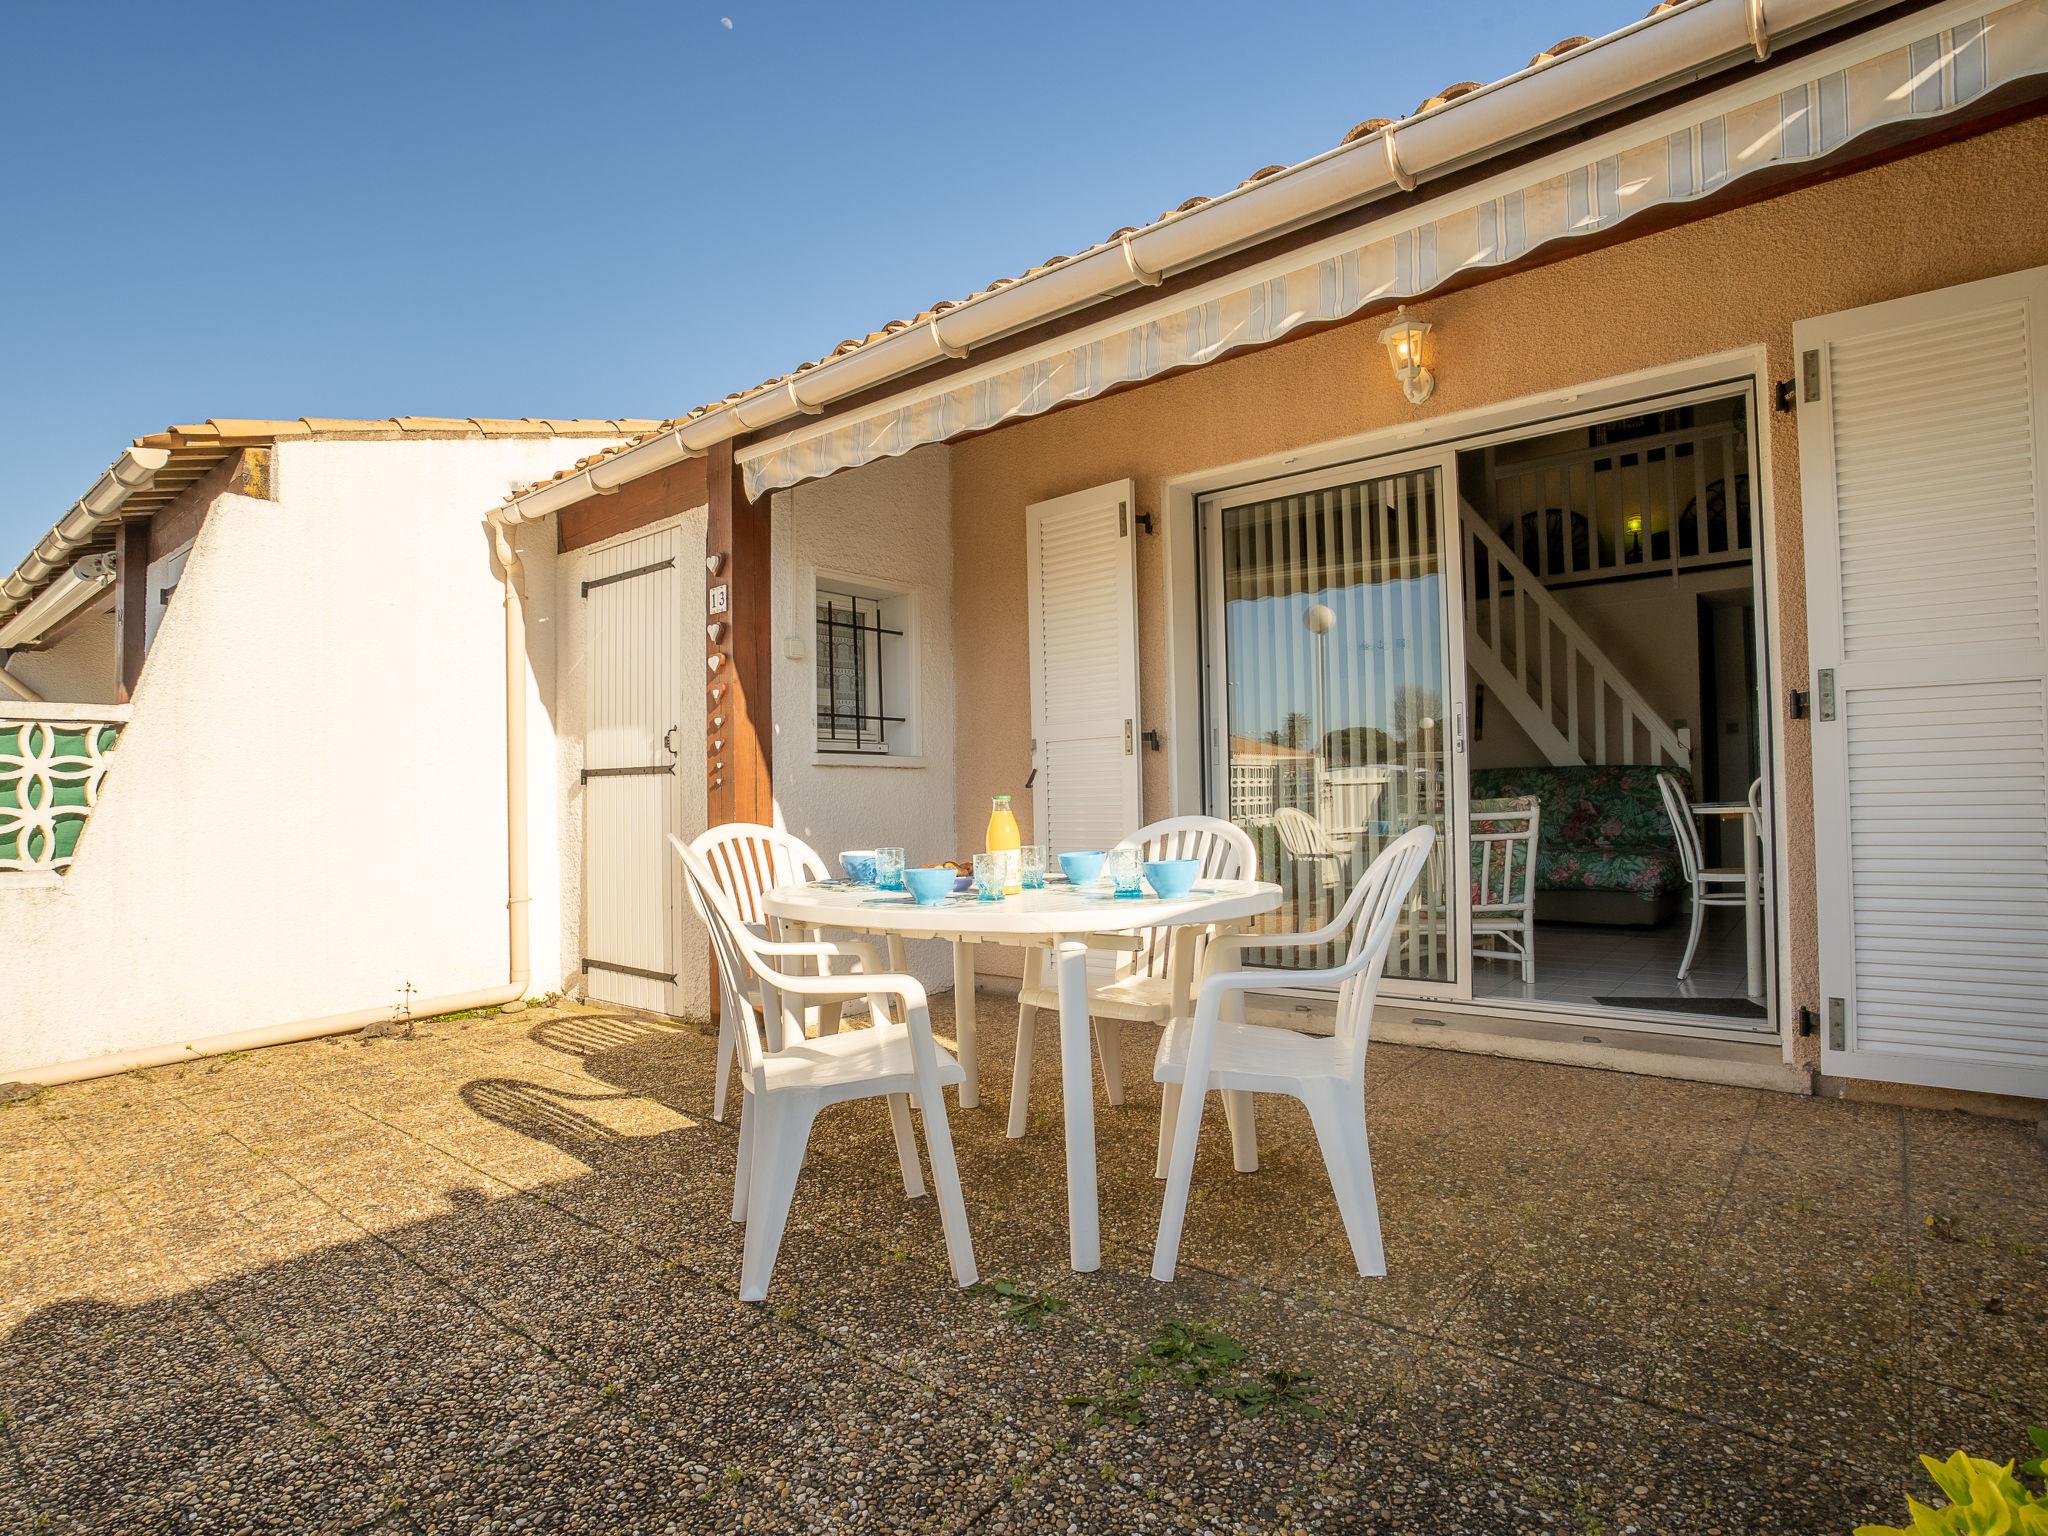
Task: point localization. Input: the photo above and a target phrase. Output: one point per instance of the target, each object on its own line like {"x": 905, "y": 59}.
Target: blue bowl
{"x": 1172, "y": 878}
{"x": 1082, "y": 868}
{"x": 859, "y": 864}
{"x": 929, "y": 887}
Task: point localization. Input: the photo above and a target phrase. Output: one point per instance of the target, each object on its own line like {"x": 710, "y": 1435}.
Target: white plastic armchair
{"x": 1140, "y": 991}
{"x": 783, "y": 1091}
{"x": 746, "y": 861}
{"x": 1327, "y": 1074}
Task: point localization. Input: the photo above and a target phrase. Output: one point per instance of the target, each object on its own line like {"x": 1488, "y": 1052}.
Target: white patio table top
{"x": 1060, "y": 917}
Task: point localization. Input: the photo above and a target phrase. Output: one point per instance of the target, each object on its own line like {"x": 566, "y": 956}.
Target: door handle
{"x": 668, "y": 740}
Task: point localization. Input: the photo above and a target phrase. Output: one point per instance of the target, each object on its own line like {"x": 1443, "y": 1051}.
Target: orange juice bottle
{"x": 1004, "y": 838}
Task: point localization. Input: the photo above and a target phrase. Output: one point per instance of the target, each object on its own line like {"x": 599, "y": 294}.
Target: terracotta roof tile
{"x": 1363, "y": 130}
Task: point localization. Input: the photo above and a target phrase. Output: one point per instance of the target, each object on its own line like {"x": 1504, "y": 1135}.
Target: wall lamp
{"x": 1404, "y": 338}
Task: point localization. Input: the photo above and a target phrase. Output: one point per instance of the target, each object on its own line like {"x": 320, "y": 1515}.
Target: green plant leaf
{"x": 1192, "y": 1353}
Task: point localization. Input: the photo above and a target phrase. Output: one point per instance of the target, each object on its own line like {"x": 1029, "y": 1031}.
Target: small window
{"x": 867, "y": 689}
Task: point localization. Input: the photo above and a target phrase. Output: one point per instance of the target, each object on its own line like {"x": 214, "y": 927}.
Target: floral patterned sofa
{"x": 1604, "y": 851}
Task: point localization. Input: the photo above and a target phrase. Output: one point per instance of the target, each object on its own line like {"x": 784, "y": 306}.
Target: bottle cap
{"x": 1002, "y": 799}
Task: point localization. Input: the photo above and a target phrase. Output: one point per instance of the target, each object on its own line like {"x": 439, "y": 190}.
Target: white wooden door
{"x": 1921, "y": 430}
{"x": 632, "y": 785}
{"x": 1082, "y": 593}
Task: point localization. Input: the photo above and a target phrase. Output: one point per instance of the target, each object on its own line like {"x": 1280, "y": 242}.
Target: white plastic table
{"x": 1062, "y": 918}
{"x": 1743, "y": 815}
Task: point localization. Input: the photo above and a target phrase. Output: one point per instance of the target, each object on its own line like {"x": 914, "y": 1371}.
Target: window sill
{"x": 865, "y": 760}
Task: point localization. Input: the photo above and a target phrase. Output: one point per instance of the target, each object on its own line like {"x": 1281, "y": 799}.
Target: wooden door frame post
{"x": 739, "y": 716}
{"x": 738, "y": 694}
{"x": 131, "y": 604}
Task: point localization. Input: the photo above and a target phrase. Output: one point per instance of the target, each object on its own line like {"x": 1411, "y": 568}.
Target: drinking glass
{"x": 1127, "y": 871}
{"x": 889, "y": 869}
{"x": 1032, "y": 856}
{"x": 988, "y": 876}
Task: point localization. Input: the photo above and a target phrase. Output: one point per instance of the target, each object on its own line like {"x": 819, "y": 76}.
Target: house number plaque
{"x": 714, "y": 601}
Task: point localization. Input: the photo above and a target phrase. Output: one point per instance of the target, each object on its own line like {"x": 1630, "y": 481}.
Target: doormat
{"x": 1716, "y": 1007}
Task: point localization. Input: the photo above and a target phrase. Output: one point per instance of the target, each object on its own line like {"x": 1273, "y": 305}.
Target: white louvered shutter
{"x": 1922, "y": 426}
{"x": 1082, "y": 593}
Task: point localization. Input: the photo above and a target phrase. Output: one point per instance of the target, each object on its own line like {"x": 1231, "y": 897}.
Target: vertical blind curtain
{"x": 1931, "y": 75}
{"x": 1335, "y": 656}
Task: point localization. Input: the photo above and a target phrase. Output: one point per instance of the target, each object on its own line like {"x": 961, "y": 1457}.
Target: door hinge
{"x": 1809, "y": 1022}
{"x": 1785, "y": 396}
{"x": 1130, "y": 744}
{"x": 1154, "y": 739}
{"x": 1809, "y": 374}
{"x": 595, "y": 582}
{"x": 1123, "y": 521}
{"x": 1824, "y": 694}
{"x": 1838, "y": 1024}
{"x": 626, "y": 773}
{"x": 1798, "y": 704}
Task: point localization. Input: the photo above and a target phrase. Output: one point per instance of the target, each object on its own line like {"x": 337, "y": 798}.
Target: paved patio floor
{"x": 482, "y": 1279}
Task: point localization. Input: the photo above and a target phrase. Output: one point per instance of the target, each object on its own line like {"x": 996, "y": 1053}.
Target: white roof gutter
{"x": 1687, "y": 43}
{"x": 134, "y": 471}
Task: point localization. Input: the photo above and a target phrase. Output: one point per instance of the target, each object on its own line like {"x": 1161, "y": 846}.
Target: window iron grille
{"x": 853, "y": 698}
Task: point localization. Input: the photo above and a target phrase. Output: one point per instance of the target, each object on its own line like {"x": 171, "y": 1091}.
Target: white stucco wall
{"x": 307, "y": 811}
{"x": 567, "y": 628}
{"x": 889, "y": 522}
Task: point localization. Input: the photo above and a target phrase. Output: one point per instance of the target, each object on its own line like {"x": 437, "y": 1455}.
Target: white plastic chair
{"x": 1710, "y": 887}
{"x": 1504, "y": 843}
{"x": 1327, "y": 1074}
{"x": 783, "y": 1091}
{"x": 1140, "y": 990}
{"x": 1307, "y": 841}
{"x": 746, "y": 861}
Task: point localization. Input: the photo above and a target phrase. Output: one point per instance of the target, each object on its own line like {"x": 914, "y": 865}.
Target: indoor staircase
{"x": 1567, "y": 694}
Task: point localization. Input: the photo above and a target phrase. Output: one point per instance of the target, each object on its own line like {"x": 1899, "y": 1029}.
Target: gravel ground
{"x": 481, "y": 1279}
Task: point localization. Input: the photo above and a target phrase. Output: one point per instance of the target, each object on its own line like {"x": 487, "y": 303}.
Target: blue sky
{"x": 606, "y": 210}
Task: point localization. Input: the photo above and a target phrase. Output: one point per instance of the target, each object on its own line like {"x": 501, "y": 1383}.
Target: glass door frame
{"x": 1443, "y": 459}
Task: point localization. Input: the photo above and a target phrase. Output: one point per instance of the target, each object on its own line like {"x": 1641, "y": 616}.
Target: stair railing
{"x": 1565, "y": 692}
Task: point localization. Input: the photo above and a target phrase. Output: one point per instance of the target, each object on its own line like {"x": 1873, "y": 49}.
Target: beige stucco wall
{"x": 81, "y": 667}
{"x": 1735, "y": 280}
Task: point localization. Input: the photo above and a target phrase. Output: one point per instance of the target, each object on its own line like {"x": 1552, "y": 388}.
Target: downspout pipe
{"x": 511, "y": 995}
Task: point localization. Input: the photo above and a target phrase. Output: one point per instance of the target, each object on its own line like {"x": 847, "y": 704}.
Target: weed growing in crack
{"x": 1029, "y": 1310}
{"x": 1200, "y": 1357}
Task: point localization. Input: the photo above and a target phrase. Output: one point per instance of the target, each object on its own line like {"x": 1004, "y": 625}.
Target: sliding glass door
{"x": 1336, "y": 696}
